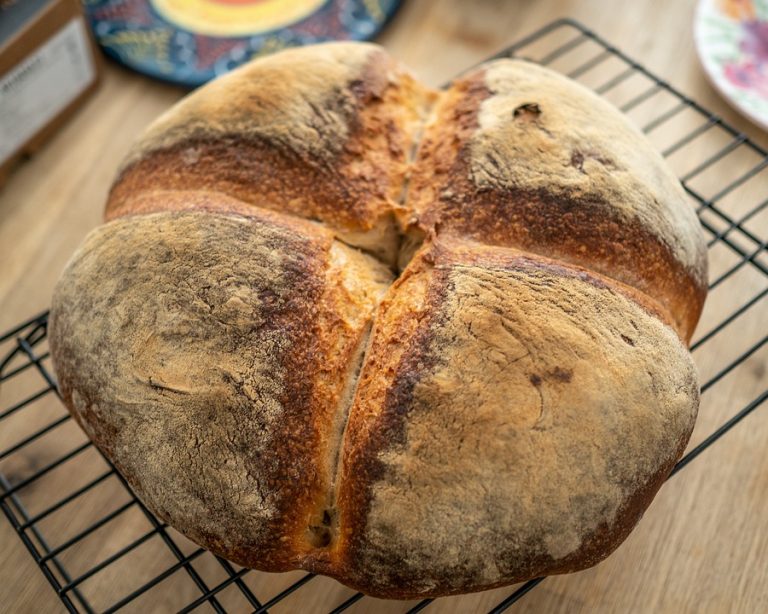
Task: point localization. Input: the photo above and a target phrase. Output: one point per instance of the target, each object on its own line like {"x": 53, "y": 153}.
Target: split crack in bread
{"x": 237, "y": 341}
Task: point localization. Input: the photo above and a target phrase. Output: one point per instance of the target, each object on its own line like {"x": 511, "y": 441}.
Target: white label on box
{"x": 45, "y": 82}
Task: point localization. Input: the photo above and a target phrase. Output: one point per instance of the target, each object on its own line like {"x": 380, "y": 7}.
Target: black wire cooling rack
{"x": 50, "y": 473}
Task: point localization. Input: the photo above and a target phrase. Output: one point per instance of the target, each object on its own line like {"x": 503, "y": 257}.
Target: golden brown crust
{"x": 324, "y": 134}
{"x": 519, "y": 156}
{"x": 191, "y": 360}
{"x": 507, "y": 407}
{"x": 520, "y": 428}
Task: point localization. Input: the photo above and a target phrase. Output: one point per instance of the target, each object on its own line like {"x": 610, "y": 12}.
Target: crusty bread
{"x": 238, "y": 341}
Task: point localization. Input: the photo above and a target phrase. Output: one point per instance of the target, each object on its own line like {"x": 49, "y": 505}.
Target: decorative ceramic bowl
{"x": 192, "y": 41}
{"x": 732, "y": 43}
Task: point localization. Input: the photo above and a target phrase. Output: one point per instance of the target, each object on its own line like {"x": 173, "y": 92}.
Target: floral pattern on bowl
{"x": 732, "y": 43}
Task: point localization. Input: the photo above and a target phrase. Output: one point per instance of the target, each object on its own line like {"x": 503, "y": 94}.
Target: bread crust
{"x": 326, "y": 137}
{"x": 236, "y": 341}
{"x": 208, "y": 364}
{"x": 519, "y": 156}
{"x": 523, "y": 384}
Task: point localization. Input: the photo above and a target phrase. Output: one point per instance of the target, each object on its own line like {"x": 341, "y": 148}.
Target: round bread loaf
{"x": 424, "y": 343}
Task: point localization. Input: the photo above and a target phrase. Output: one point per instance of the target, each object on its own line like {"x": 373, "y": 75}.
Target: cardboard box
{"x": 48, "y": 66}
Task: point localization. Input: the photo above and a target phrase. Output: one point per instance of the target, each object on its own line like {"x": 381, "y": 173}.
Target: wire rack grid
{"x": 127, "y": 558}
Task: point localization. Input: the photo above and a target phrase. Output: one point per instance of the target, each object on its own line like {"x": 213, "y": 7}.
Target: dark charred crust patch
{"x": 561, "y": 375}
{"x": 529, "y": 111}
{"x": 578, "y": 158}
{"x": 373, "y": 81}
{"x": 321, "y": 533}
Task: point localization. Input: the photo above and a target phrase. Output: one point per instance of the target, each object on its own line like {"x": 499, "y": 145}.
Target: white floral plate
{"x": 732, "y": 42}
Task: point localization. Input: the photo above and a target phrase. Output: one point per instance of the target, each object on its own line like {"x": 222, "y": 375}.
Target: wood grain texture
{"x": 702, "y": 545}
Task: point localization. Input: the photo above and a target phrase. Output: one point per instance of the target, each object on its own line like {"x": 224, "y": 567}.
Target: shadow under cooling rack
{"x": 54, "y": 483}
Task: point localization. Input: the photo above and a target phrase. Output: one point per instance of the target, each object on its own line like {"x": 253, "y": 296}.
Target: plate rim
{"x": 713, "y": 77}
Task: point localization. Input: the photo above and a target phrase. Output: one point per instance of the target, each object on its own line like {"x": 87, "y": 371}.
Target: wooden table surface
{"x": 703, "y": 544}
